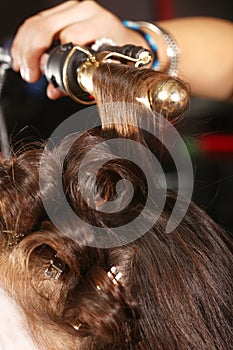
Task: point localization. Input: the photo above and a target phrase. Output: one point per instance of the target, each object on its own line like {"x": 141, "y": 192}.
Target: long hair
{"x": 160, "y": 291}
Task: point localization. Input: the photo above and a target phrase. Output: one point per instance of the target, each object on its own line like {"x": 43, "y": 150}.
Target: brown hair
{"x": 173, "y": 291}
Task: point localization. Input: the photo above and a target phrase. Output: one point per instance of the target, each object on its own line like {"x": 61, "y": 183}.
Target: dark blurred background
{"x": 29, "y": 112}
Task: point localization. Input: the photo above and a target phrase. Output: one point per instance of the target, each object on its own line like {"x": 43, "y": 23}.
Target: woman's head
{"x": 161, "y": 291}
{"x": 158, "y": 291}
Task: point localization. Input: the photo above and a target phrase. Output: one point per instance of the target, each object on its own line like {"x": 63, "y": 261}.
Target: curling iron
{"x": 70, "y": 69}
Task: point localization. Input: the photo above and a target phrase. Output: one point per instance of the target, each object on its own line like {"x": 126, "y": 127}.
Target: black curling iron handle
{"x": 61, "y": 70}
{"x": 58, "y": 70}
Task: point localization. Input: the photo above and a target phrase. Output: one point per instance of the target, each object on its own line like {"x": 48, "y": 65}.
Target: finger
{"x": 84, "y": 32}
{"x": 54, "y": 93}
{"x": 80, "y": 33}
{"x": 62, "y": 7}
{"x": 20, "y": 34}
{"x": 35, "y": 36}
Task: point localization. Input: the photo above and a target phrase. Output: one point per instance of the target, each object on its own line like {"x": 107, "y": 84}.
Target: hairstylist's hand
{"x": 72, "y": 21}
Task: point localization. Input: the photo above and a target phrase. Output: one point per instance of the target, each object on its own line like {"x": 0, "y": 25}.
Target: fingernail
{"x": 25, "y": 73}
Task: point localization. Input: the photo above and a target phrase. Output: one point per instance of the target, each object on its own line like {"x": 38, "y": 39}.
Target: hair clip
{"x": 14, "y": 238}
{"x": 77, "y": 327}
{"x": 115, "y": 277}
{"x": 55, "y": 269}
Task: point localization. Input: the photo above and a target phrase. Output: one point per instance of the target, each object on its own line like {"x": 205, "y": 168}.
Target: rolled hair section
{"x": 156, "y": 92}
{"x": 21, "y": 209}
{"x": 101, "y": 186}
{"x": 100, "y": 307}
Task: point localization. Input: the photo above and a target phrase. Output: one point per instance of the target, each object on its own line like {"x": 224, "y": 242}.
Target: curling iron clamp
{"x": 70, "y": 69}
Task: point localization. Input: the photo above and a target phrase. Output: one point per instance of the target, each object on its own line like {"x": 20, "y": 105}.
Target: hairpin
{"x": 55, "y": 269}
{"x": 77, "y": 327}
{"x": 113, "y": 275}
{"x": 14, "y": 238}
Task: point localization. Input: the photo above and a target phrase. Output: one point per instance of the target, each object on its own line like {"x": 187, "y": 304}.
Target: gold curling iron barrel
{"x": 70, "y": 69}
